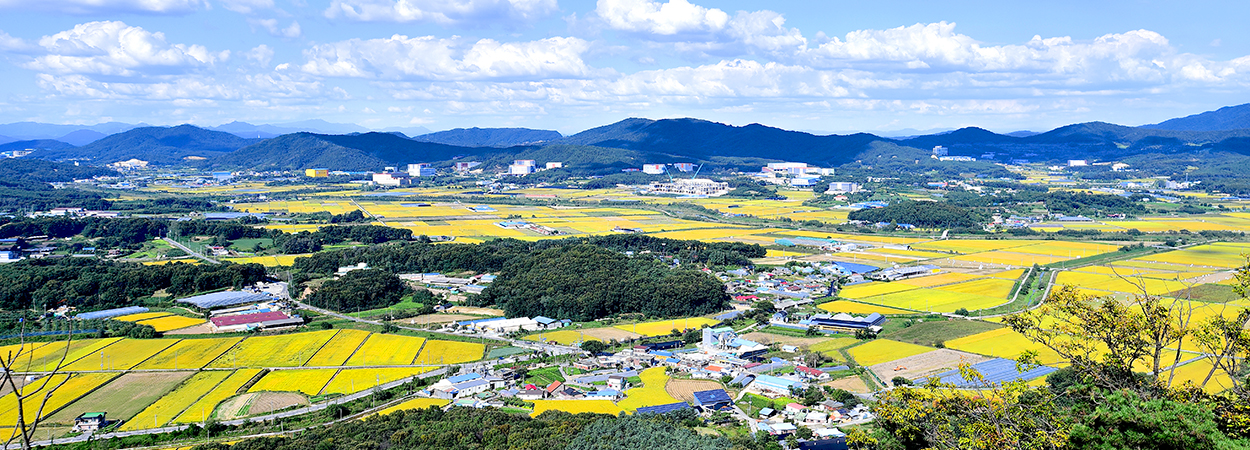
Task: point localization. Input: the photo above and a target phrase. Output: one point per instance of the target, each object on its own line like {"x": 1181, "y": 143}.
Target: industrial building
{"x": 316, "y": 173}
{"x": 695, "y": 186}
{"x": 901, "y": 273}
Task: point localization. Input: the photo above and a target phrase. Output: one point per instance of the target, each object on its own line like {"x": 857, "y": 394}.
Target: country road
{"x": 194, "y": 253}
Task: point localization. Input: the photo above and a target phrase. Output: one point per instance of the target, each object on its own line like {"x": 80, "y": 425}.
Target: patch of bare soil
{"x": 924, "y": 364}
{"x": 850, "y": 384}
{"x": 204, "y": 328}
{"x": 606, "y": 334}
{"x": 474, "y": 310}
{"x": 684, "y": 389}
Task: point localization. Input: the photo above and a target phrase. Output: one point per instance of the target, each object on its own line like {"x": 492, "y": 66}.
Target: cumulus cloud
{"x": 246, "y": 6}
{"x": 428, "y": 58}
{"x": 12, "y": 44}
{"x": 106, "y": 6}
{"x": 117, "y": 49}
{"x": 275, "y": 29}
{"x": 262, "y": 54}
{"x": 442, "y": 12}
{"x": 691, "y": 28}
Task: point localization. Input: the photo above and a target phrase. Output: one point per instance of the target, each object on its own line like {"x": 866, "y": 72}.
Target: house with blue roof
{"x": 775, "y": 385}
{"x": 712, "y": 400}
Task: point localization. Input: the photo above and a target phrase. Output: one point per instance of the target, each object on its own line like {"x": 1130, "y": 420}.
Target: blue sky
{"x": 571, "y": 65}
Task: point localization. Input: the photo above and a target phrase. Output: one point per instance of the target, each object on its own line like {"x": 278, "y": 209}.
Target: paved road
{"x": 191, "y": 252}
{"x": 278, "y": 415}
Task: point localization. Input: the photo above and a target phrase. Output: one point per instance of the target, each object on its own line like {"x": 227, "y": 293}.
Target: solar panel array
{"x": 116, "y": 312}
{"x": 663, "y": 409}
{"x": 995, "y": 371}
{"x": 226, "y": 298}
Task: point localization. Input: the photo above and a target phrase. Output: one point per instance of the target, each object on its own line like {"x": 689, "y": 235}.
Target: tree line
{"x": 90, "y": 284}
{"x": 920, "y": 214}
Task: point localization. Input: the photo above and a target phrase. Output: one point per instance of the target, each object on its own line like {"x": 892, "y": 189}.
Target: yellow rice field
{"x": 561, "y": 336}
{"x": 142, "y": 316}
{"x": 449, "y": 352}
{"x": 268, "y": 261}
{"x": 122, "y": 355}
{"x": 349, "y": 381}
{"x": 1066, "y": 249}
{"x": 307, "y": 381}
{"x": 338, "y": 349}
{"x": 1128, "y": 285}
{"x": 866, "y": 290}
{"x": 189, "y": 353}
{"x": 972, "y": 245}
{"x": 203, "y": 408}
{"x": 1197, "y": 371}
{"x": 1013, "y": 274}
{"x": 1009, "y": 258}
{"x": 174, "y": 403}
{"x": 416, "y": 403}
{"x": 939, "y": 279}
{"x": 45, "y": 357}
{"x": 287, "y": 350}
{"x": 1002, "y": 343}
{"x": 989, "y": 287}
{"x": 830, "y": 347}
{"x": 878, "y": 351}
{"x": 849, "y": 307}
{"x": 77, "y": 386}
{"x": 1222, "y": 255}
{"x": 387, "y": 350}
{"x": 663, "y": 327}
{"x": 576, "y": 407}
{"x": 651, "y": 393}
{"x": 930, "y": 299}
{"x": 167, "y": 323}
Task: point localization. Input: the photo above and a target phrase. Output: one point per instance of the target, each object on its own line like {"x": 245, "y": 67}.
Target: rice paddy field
{"x": 849, "y": 307}
{"x": 165, "y": 409}
{"x": 932, "y": 299}
{"x": 203, "y": 408}
{"x": 75, "y": 387}
{"x": 307, "y": 381}
{"x": 348, "y": 381}
{"x": 830, "y": 347}
{"x": 170, "y": 323}
{"x": 663, "y": 327}
{"x": 123, "y": 397}
{"x": 449, "y": 352}
{"x": 861, "y": 291}
{"x": 387, "y": 350}
{"x": 142, "y": 316}
{"x": 651, "y": 393}
{"x": 121, "y": 355}
{"x": 189, "y": 354}
{"x": 1002, "y": 343}
{"x": 287, "y": 350}
{"x": 45, "y": 357}
{"x": 576, "y": 407}
{"x": 338, "y": 348}
{"x": 878, "y": 351}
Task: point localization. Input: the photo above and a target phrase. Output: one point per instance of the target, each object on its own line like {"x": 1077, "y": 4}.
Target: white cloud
{"x": 106, "y": 6}
{"x": 695, "y": 29}
{"x": 117, "y": 49}
{"x": 428, "y": 58}
{"x": 246, "y": 6}
{"x": 442, "y": 12}
{"x": 275, "y": 29}
{"x": 12, "y": 44}
{"x": 262, "y": 54}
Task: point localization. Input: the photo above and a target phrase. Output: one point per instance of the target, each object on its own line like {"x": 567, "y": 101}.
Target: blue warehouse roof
{"x": 711, "y": 397}
{"x": 663, "y": 409}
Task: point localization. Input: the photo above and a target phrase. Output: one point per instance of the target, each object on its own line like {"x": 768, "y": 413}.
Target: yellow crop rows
{"x": 387, "y": 350}
{"x": 1009, "y": 258}
{"x": 268, "y": 261}
{"x": 450, "y": 352}
{"x": 1129, "y": 285}
{"x": 1197, "y": 371}
{"x": 939, "y": 279}
{"x": 76, "y": 387}
{"x": 203, "y": 408}
{"x": 972, "y": 245}
{"x": 308, "y": 381}
{"x": 416, "y": 403}
{"x": 1222, "y": 255}
{"x": 663, "y": 327}
{"x": 122, "y": 355}
{"x": 167, "y": 323}
{"x": 1002, "y": 343}
{"x": 865, "y": 290}
{"x": 651, "y": 393}
{"x": 189, "y": 354}
{"x": 576, "y": 407}
{"x": 45, "y": 358}
{"x": 989, "y": 287}
{"x": 927, "y": 299}
{"x": 338, "y": 349}
{"x": 849, "y": 307}
{"x": 171, "y": 405}
{"x": 349, "y": 381}
{"x": 878, "y": 351}
{"x": 287, "y": 350}
{"x": 142, "y": 316}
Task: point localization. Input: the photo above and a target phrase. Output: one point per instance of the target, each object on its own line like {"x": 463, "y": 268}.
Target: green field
{"x": 123, "y": 397}
{"x": 932, "y": 331}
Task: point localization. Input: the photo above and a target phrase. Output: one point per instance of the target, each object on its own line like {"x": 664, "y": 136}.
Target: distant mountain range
{"x": 608, "y": 148}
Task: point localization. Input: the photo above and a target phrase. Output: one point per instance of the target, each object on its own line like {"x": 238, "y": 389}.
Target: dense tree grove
{"x": 360, "y": 290}
{"x": 587, "y": 282}
{"x": 921, "y": 214}
{"x": 89, "y": 283}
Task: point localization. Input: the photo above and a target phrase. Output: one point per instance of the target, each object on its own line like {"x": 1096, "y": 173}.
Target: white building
{"x": 804, "y": 180}
{"x": 696, "y": 186}
{"x": 940, "y": 151}
{"x": 1077, "y": 163}
{"x": 653, "y": 169}
{"x": 684, "y": 167}
{"x": 508, "y": 325}
{"x": 465, "y": 166}
{"x": 522, "y": 167}
{"x": 420, "y": 170}
{"x": 844, "y": 186}
{"x": 555, "y": 165}
{"x": 391, "y": 179}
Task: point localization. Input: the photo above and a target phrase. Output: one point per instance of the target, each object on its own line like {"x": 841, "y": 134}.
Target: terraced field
{"x": 338, "y": 349}
{"x": 286, "y": 350}
{"x": 45, "y": 357}
{"x": 123, "y": 397}
{"x": 349, "y": 381}
{"x": 77, "y": 386}
{"x": 121, "y": 355}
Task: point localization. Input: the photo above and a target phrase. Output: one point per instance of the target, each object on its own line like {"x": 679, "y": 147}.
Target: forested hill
{"x": 354, "y": 152}
{"x": 490, "y": 137}
{"x": 1226, "y": 118}
{"x": 183, "y": 144}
